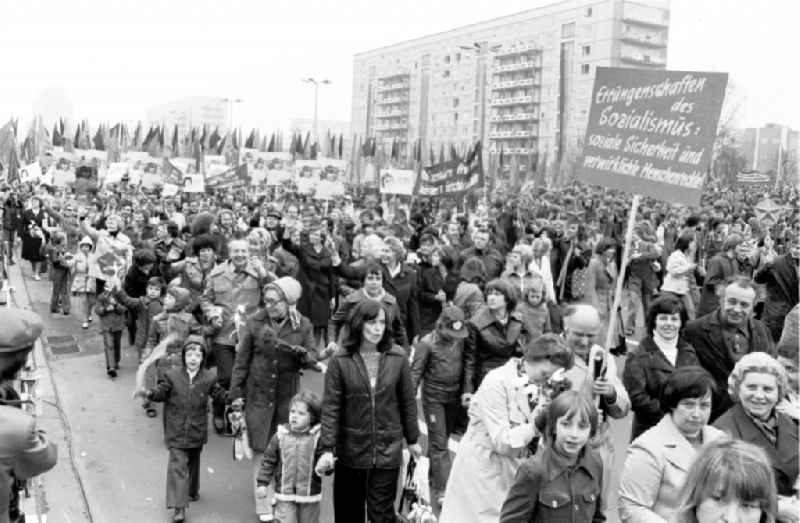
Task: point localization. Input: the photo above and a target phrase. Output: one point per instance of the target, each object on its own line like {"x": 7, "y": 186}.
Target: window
{"x": 446, "y": 73}
{"x": 447, "y": 58}
{"x": 586, "y": 50}
{"x": 588, "y": 12}
{"x": 568, "y": 30}
{"x": 584, "y": 68}
{"x": 455, "y": 102}
{"x": 455, "y": 117}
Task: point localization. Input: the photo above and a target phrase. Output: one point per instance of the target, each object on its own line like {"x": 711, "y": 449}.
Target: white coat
{"x": 493, "y": 448}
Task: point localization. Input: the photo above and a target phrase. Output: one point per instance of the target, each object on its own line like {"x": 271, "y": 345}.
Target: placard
{"x": 652, "y": 132}
{"x": 398, "y": 181}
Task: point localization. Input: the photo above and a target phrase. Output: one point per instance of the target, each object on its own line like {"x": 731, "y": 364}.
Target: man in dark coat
{"x": 491, "y": 258}
{"x": 780, "y": 277}
{"x": 723, "y": 336}
{"x": 12, "y": 216}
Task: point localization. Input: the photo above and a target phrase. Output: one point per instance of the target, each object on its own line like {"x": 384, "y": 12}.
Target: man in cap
{"x": 24, "y": 452}
{"x": 438, "y": 362}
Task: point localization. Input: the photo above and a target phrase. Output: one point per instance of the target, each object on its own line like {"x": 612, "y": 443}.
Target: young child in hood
{"x": 61, "y": 261}
{"x": 112, "y": 321}
{"x": 533, "y": 305}
{"x": 289, "y": 462}
{"x": 185, "y": 391}
{"x": 83, "y": 285}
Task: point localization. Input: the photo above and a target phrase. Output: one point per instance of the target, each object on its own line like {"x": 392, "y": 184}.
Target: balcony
{"x": 512, "y": 150}
{"x": 516, "y": 66}
{"x": 647, "y": 40}
{"x": 392, "y": 76}
{"x": 392, "y": 100}
{"x": 510, "y": 135}
{"x": 514, "y": 117}
{"x": 515, "y": 50}
{"x": 512, "y": 100}
{"x": 385, "y": 88}
{"x": 511, "y": 84}
{"x": 643, "y": 59}
{"x": 633, "y": 14}
{"x": 392, "y": 114}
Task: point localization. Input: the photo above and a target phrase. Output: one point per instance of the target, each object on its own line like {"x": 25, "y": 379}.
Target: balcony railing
{"x": 510, "y": 135}
{"x": 644, "y": 39}
{"x": 393, "y": 76}
{"x": 517, "y": 50}
{"x": 385, "y": 88}
{"x": 510, "y": 84}
{"x": 512, "y": 150}
{"x": 392, "y": 114}
{"x": 512, "y": 100}
{"x": 514, "y": 117}
{"x": 633, "y": 17}
{"x": 392, "y": 100}
{"x": 643, "y": 59}
{"x": 516, "y": 66}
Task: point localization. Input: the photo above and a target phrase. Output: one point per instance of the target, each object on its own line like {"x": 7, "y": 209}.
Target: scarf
{"x": 669, "y": 348}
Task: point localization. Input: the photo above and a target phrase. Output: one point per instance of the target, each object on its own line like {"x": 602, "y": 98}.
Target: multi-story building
{"x": 190, "y": 112}
{"x": 521, "y": 83}
{"x": 768, "y": 147}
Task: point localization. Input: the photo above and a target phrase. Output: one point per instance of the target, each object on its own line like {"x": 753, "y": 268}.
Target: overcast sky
{"x": 115, "y": 58}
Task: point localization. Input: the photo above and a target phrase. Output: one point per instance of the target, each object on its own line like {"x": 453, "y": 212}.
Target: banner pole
{"x": 612, "y": 321}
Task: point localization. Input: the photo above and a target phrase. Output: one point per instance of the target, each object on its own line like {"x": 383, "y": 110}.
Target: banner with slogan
{"x": 229, "y": 178}
{"x": 453, "y": 177}
{"x": 398, "y": 181}
{"x": 145, "y": 170}
{"x": 279, "y": 168}
{"x": 332, "y": 174}
{"x": 110, "y": 258}
{"x": 755, "y": 178}
{"x": 256, "y": 166}
{"x": 115, "y": 172}
{"x": 62, "y": 171}
{"x": 652, "y": 132}
{"x": 31, "y": 173}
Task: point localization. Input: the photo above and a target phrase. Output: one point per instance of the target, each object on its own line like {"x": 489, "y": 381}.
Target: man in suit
{"x": 24, "y": 452}
{"x": 723, "y": 336}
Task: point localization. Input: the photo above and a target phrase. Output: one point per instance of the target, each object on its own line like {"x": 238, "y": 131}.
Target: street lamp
{"x": 230, "y": 102}
{"x": 316, "y": 83}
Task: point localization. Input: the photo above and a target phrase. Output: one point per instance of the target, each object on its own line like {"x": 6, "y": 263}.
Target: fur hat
{"x": 288, "y": 287}
{"x": 202, "y": 224}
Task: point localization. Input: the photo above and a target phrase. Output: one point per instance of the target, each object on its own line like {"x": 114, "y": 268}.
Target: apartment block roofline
{"x": 550, "y": 9}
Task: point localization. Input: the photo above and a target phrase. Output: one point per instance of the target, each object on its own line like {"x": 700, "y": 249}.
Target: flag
{"x": 98, "y": 141}
{"x": 307, "y": 144}
{"x": 453, "y": 153}
{"x": 136, "y": 142}
{"x": 441, "y": 153}
{"x": 76, "y": 143}
{"x": 395, "y": 150}
{"x": 431, "y": 156}
{"x": 57, "y": 137}
{"x": 365, "y": 148}
{"x": 214, "y": 139}
{"x": 250, "y": 138}
{"x": 271, "y": 146}
{"x": 355, "y": 160}
{"x": 176, "y": 146}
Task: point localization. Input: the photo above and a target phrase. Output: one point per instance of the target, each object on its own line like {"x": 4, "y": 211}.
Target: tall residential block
{"x": 521, "y": 83}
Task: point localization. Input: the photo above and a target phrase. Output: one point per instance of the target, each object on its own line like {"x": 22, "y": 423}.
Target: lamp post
{"x": 316, "y": 83}
{"x": 230, "y": 102}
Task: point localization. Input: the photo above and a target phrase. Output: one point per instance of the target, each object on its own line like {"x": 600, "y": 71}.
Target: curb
{"x": 62, "y": 495}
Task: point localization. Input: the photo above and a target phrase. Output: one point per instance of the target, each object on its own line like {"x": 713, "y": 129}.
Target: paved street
{"x": 118, "y": 453}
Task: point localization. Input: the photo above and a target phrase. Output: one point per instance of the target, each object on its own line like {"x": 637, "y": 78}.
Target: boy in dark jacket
{"x": 112, "y": 320}
{"x": 185, "y": 392}
{"x": 438, "y": 362}
{"x": 289, "y": 461}
{"x": 60, "y": 270}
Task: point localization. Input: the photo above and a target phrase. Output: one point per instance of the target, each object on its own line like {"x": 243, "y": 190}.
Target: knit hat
{"x": 86, "y": 241}
{"x": 194, "y": 341}
{"x": 182, "y": 297}
{"x": 451, "y": 323}
{"x": 288, "y": 287}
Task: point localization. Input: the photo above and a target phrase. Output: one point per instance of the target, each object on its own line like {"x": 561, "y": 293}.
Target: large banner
{"x": 398, "y": 181}
{"x": 747, "y": 178}
{"x": 652, "y": 132}
{"x": 451, "y": 178}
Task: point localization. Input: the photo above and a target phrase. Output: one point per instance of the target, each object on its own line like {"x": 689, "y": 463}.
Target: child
{"x": 112, "y": 320}
{"x": 563, "y": 480}
{"x": 288, "y": 463}
{"x": 533, "y": 306}
{"x": 83, "y": 284}
{"x": 60, "y": 262}
{"x": 439, "y": 363}
{"x": 185, "y": 392}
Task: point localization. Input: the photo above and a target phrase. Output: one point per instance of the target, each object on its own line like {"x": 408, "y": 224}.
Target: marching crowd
{"x": 493, "y": 314}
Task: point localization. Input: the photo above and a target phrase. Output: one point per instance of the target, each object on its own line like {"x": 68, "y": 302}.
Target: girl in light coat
{"x": 83, "y": 285}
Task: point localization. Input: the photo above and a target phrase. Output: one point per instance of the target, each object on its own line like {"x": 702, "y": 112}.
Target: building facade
{"x": 194, "y": 111}
{"x": 768, "y": 149}
{"x": 521, "y": 83}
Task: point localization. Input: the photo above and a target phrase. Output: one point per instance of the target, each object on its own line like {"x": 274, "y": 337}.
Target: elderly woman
{"x": 730, "y": 481}
{"x": 658, "y": 355}
{"x": 756, "y": 385}
{"x": 496, "y": 334}
{"x": 601, "y": 281}
{"x": 680, "y": 269}
{"x": 659, "y": 460}
{"x": 276, "y": 343}
{"x": 501, "y": 430}
{"x": 369, "y": 410}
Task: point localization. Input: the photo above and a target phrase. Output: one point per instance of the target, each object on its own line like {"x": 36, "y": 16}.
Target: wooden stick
{"x": 612, "y": 321}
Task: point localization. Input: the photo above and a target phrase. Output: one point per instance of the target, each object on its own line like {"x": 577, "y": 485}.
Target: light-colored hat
{"x": 288, "y": 287}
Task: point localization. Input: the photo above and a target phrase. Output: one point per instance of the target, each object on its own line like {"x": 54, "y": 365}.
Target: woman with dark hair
{"x": 469, "y": 292}
{"x": 658, "y": 355}
{"x": 33, "y": 236}
{"x": 502, "y": 430}
{"x": 680, "y": 269}
{"x": 601, "y": 281}
{"x": 368, "y": 410}
{"x": 659, "y": 460}
{"x": 496, "y": 334}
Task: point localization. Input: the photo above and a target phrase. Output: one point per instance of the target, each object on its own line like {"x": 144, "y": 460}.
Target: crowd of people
{"x": 492, "y": 313}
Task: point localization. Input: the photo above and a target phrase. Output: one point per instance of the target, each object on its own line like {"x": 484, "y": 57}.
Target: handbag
{"x": 414, "y": 508}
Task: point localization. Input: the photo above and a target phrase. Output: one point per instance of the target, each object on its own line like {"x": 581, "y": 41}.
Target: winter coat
{"x": 226, "y": 290}
{"x": 679, "y": 270}
{"x": 165, "y": 322}
{"x": 317, "y": 279}
{"x": 535, "y": 318}
{"x": 546, "y": 491}
{"x": 135, "y": 283}
{"x": 186, "y": 405}
{"x": 780, "y": 277}
{"x": 655, "y": 471}
{"x": 439, "y": 364}
{"x": 720, "y": 268}
{"x": 105, "y": 243}
{"x": 267, "y": 374}
{"x": 705, "y": 334}
{"x": 494, "y": 446}
{"x": 490, "y": 345}
{"x": 112, "y": 320}
{"x": 431, "y": 282}
{"x": 145, "y": 309}
{"x": 189, "y": 274}
{"x": 82, "y": 283}
{"x": 365, "y": 426}
{"x": 337, "y": 330}
{"x": 12, "y": 215}
{"x": 646, "y": 371}
{"x": 288, "y": 464}
{"x": 783, "y": 455}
